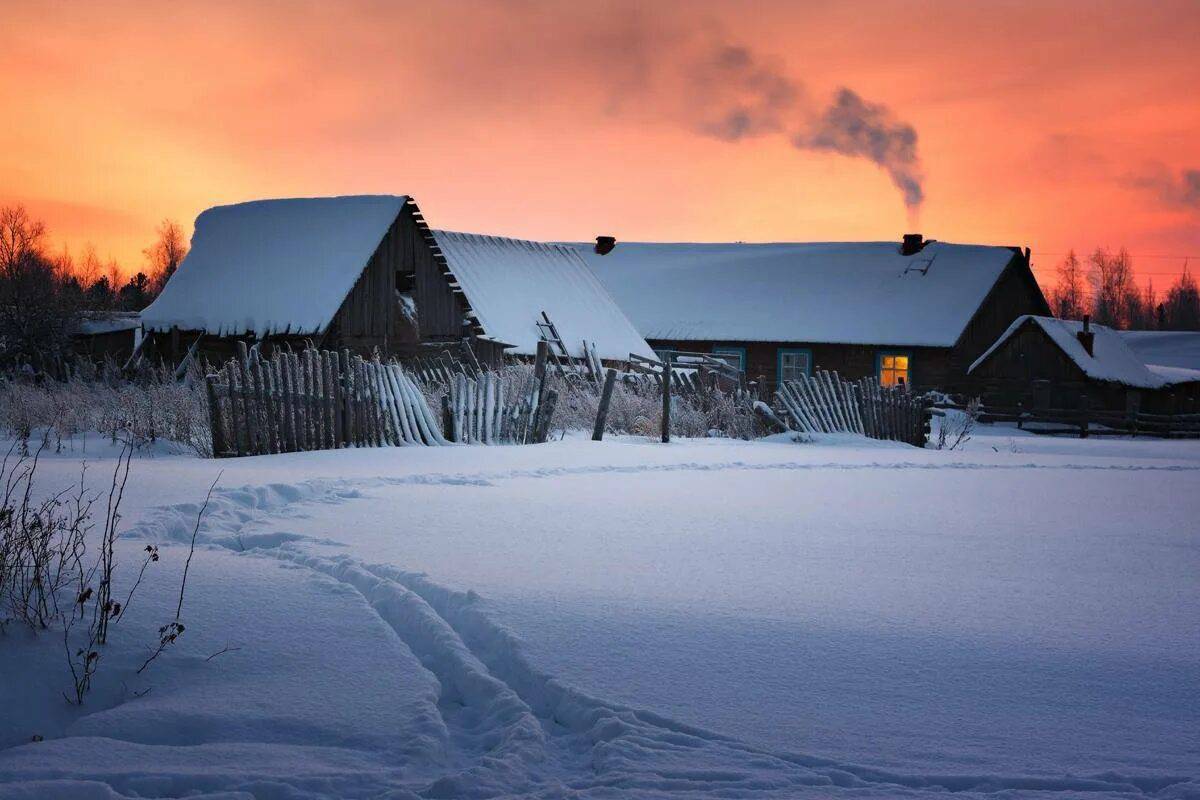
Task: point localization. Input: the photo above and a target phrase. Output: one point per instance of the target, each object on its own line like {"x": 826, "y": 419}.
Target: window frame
{"x": 881, "y": 354}
{"x": 792, "y": 351}
{"x": 733, "y": 350}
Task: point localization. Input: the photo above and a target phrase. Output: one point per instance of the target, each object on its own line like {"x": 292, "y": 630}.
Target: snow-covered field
{"x": 628, "y": 619}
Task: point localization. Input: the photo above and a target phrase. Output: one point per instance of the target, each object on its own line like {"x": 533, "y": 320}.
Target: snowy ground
{"x": 627, "y": 619}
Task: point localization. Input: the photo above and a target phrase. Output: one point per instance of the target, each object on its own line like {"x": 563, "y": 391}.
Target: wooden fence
{"x": 315, "y": 400}
{"x": 1086, "y": 421}
{"x": 492, "y": 410}
{"x": 823, "y": 403}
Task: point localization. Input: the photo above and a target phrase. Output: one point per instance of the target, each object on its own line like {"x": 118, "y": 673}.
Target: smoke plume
{"x": 738, "y": 94}
{"x": 853, "y": 127}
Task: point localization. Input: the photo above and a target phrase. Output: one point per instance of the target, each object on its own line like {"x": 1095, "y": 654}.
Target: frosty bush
{"x": 636, "y": 408}
{"x": 152, "y": 408}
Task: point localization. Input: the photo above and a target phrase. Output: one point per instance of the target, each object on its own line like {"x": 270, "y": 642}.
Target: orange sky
{"x": 1048, "y": 124}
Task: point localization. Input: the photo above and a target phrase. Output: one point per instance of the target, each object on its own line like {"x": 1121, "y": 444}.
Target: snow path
{"x": 521, "y": 731}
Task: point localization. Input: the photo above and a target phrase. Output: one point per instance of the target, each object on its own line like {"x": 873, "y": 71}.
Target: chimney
{"x": 912, "y": 244}
{"x": 1086, "y": 337}
{"x": 605, "y": 245}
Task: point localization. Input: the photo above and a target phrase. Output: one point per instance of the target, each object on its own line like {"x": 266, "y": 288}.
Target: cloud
{"x": 1180, "y": 190}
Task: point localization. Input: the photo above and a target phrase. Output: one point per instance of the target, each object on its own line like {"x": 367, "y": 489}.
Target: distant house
{"x": 1165, "y": 348}
{"x": 106, "y": 334}
{"x": 916, "y": 313}
{"x": 1053, "y": 363}
{"x": 366, "y": 273}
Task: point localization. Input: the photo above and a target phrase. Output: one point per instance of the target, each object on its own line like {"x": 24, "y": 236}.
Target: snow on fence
{"x": 315, "y": 400}
{"x": 824, "y": 403}
{"x": 1087, "y": 421}
{"x": 492, "y": 410}
{"x": 323, "y": 400}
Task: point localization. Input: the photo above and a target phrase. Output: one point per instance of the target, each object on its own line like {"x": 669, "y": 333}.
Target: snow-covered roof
{"x": 510, "y": 282}
{"x": 1167, "y": 348}
{"x": 849, "y": 293}
{"x": 1112, "y": 359}
{"x": 271, "y": 266}
{"x": 93, "y": 323}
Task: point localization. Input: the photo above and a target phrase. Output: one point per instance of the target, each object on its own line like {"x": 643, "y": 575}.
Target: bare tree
{"x": 166, "y": 254}
{"x": 1181, "y": 310}
{"x": 34, "y": 315}
{"x": 1068, "y": 300}
{"x": 1113, "y": 289}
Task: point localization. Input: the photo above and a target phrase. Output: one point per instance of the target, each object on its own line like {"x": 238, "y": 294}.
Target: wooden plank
{"x": 330, "y": 398}
{"x": 214, "y": 416}
{"x": 287, "y": 407}
{"x": 610, "y": 379}
{"x": 235, "y": 428}
{"x": 339, "y": 405}
{"x": 666, "y": 399}
{"x": 248, "y": 412}
{"x": 424, "y": 414}
{"x": 546, "y": 417}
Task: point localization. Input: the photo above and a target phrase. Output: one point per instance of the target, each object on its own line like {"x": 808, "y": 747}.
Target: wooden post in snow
{"x": 666, "y": 399}
{"x": 610, "y": 378}
{"x": 214, "y": 416}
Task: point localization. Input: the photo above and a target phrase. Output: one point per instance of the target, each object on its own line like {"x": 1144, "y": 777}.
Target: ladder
{"x": 557, "y": 350}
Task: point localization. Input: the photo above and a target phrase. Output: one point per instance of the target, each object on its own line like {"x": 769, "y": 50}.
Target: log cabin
{"x": 1053, "y": 363}
{"x": 367, "y": 273}
{"x": 917, "y": 312}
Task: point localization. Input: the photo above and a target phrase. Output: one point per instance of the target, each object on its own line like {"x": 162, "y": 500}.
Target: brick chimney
{"x": 912, "y": 244}
{"x": 1086, "y": 337}
{"x": 605, "y": 245}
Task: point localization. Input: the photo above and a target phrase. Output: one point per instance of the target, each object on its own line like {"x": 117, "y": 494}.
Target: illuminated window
{"x": 794, "y": 363}
{"x": 893, "y": 369}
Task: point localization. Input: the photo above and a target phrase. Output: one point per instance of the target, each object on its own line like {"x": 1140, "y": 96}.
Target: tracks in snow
{"x": 512, "y": 729}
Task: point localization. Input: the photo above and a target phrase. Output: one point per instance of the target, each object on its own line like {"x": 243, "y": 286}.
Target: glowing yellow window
{"x": 893, "y": 370}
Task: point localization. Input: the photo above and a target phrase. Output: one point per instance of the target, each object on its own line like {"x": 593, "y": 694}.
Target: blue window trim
{"x": 740, "y": 352}
{"x": 879, "y": 362}
{"x": 791, "y": 351}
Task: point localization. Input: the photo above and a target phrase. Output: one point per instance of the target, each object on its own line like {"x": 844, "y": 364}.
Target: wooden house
{"x": 366, "y": 273}
{"x": 1054, "y": 363}
{"x": 918, "y": 312}
{"x": 106, "y": 334}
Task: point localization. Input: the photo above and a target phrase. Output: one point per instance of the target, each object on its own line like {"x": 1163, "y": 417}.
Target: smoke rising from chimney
{"x": 853, "y": 127}
{"x": 739, "y": 94}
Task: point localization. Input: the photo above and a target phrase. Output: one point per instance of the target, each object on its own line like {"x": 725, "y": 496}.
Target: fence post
{"x": 610, "y": 378}
{"x": 233, "y": 404}
{"x": 666, "y": 398}
{"x": 545, "y": 415}
{"x": 1084, "y": 408}
{"x": 214, "y": 416}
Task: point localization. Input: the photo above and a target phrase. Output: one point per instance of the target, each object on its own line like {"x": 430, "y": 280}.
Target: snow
{"x": 1111, "y": 359}
{"x": 1166, "y": 348}
{"x": 847, "y": 293}
{"x": 273, "y": 266}
{"x": 627, "y": 619}
{"x": 510, "y": 282}
{"x": 94, "y": 323}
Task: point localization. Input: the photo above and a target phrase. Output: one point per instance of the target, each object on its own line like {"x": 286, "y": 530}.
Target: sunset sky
{"x": 1048, "y": 124}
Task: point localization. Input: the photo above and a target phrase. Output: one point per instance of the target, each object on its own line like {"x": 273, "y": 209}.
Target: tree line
{"x": 1103, "y": 286}
{"x": 43, "y": 293}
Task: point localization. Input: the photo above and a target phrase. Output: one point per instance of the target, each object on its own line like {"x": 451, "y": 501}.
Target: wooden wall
{"x": 1015, "y": 294}
{"x": 929, "y": 365}
{"x": 1030, "y": 368}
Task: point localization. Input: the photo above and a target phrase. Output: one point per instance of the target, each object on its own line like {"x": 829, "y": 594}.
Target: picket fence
{"x": 315, "y": 400}
{"x": 824, "y": 403}
{"x": 491, "y": 409}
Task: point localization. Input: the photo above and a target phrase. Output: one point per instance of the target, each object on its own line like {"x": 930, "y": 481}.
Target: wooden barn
{"x": 918, "y": 312}
{"x": 366, "y": 273}
{"x": 106, "y": 334}
{"x": 1052, "y": 363}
